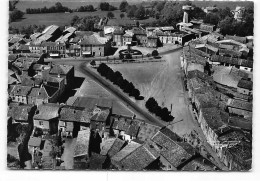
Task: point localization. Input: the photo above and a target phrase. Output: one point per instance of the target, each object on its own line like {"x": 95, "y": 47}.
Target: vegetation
{"x": 152, "y": 105}
{"x": 123, "y": 6}
{"x": 122, "y": 15}
{"x": 86, "y": 23}
{"x": 89, "y": 8}
{"x": 15, "y": 15}
{"x": 104, "y": 6}
{"x": 117, "y": 79}
{"x": 155, "y": 53}
{"x": 58, "y": 8}
{"x": 12, "y": 5}
{"x": 27, "y": 30}
{"x": 110, "y": 15}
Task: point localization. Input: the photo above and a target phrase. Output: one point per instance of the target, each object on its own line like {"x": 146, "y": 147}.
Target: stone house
{"x": 118, "y": 37}
{"x": 239, "y": 107}
{"x": 245, "y": 87}
{"x": 21, "y": 113}
{"x": 62, "y": 71}
{"x": 72, "y": 119}
{"x": 212, "y": 126}
{"x": 20, "y": 94}
{"x": 94, "y": 46}
{"x": 54, "y": 49}
{"x": 46, "y": 118}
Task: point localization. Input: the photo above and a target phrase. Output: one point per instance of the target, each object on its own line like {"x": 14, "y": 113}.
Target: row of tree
{"x": 105, "y": 6}
{"x": 86, "y": 23}
{"x": 88, "y": 8}
{"x": 152, "y": 105}
{"x": 117, "y": 79}
{"x": 58, "y": 8}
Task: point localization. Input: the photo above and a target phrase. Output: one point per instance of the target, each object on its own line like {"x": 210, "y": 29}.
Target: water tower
{"x": 186, "y": 10}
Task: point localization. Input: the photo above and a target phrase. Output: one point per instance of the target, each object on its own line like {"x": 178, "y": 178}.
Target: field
{"x": 23, "y": 4}
{"x": 62, "y": 19}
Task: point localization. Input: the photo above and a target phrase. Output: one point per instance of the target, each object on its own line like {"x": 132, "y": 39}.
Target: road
{"x": 80, "y": 59}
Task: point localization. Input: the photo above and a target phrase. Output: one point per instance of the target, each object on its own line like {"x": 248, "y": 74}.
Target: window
{"x": 41, "y": 123}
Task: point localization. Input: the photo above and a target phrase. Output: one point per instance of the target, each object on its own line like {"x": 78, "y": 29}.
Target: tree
{"x": 131, "y": 13}
{"x": 12, "y": 5}
{"x": 122, "y": 15}
{"x": 121, "y": 56}
{"x": 137, "y": 23}
{"x": 123, "y": 6}
{"x": 197, "y": 13}
{"x": 211, "y": 18}
{"x": 140, "y": 13}
{"x": 128, "y": 56}
{"x": 155, "y": 53}
{"x": 110, "y": 15}
{"x": 15, "y": 15}
{"x": 147, "y": 12}
{"x": 74, "y": 20}
{"x": 104, "y": 6}
{"x": 93, "y": 63}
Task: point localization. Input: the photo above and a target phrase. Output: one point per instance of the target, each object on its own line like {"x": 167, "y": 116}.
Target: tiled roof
{"x": 92, "y": 40}
{"x": 243, "y": 153}
{"x": 245, "y": 84}
{"x": 206, "y": 100}
{"x": 27, "y": 81}
{"x": 199, "y": 164}
{"x": 12, "y": 57}
{"x": 106, "y": 145}
{"x": 129, "y": 148}
{"x": 172, "y": 149}
{"x": 236, "y": 38}
{"x": 130, "y": 126}
{"x": 232, "y": 53}
{"x": 238, "y": 104}
{"x": 47, "y": 111}
{"x": 75, "y": 114}
{"x": 20, "y": 113}
{"x": 23, "y": 47}
{"x": 116, "y": 147}
{"x": 82, "y": 143}
{"x": 118, "y": 32}
{"x": 139, "y": 159}
{"x": 213, "y": 119}
{"x": 200, "y": 75}
{"x": 100, "y": 114}
{"x": 146, "y": 131}
{"x": 91, "y": 102}
{"x": 34, "y": 92}
{"x": 232, "y": 136}
{"x": 21, "y": 90}
{"x": 61, "y": 69}
{"x": 46, "y": 92}
{"x": 239, "y": 122}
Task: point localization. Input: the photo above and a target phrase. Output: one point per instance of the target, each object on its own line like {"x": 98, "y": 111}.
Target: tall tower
{"x": 185, "y": 14}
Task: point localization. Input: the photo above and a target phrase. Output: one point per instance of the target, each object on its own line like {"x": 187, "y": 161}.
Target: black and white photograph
{"x": 129, "y": 85}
